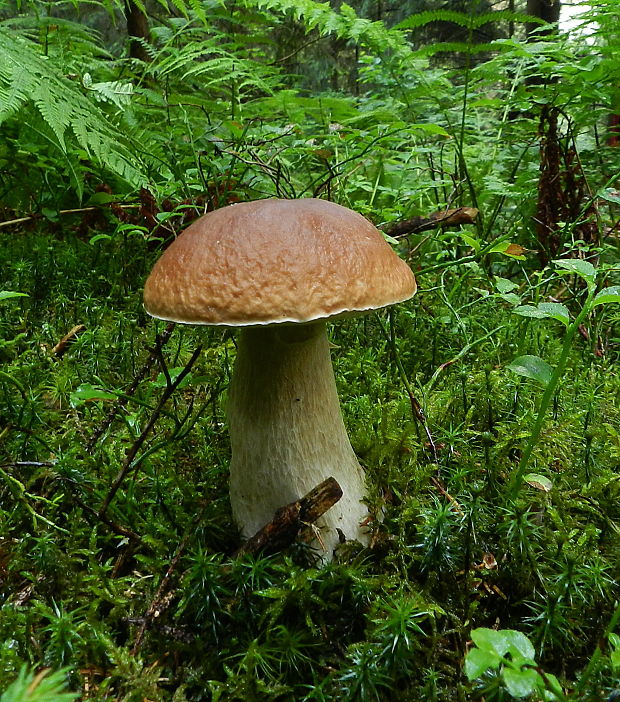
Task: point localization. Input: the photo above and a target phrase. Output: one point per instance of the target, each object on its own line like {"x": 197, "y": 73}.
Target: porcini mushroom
{"x": 279, "y": 269}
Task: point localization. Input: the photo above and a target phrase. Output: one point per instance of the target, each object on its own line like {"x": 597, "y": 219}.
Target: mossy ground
{"x": 170, "y": 615}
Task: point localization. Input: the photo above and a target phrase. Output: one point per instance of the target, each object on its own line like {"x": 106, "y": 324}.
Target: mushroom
{"x": 279, "y": 269}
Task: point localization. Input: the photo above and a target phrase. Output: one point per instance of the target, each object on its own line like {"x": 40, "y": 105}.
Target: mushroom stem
{"x": 287, "y": 432}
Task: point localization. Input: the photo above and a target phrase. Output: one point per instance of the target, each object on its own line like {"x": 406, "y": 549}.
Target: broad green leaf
{"x": 578, "y": 266}
{"x": 545, "y": 310}
{"x": 555, "y": 691}
{"x": 540, "y": 483}
{"x": 529, "y": 311}
{"x": 469, "y": 240}
{"x": 89, "y": 393}
{"x": 503, "y": 285}
{"x": 519, "y": 643}
{"x": 511, "y": 298}
{"x": 490, "y": 640}
{"x": 101, "y": 198}
{"x": 431, "y": 129}
{"x": 610, "y": 195}
{"x": 508, "y": 249}
{"x": 555, "y": 310}
{"x": 607, "y": 295}
{"x": 478, "y": 661}
{"x": 189, "y": 379}
{"x": 7, "y": 294}
{"x": 160, "y": 381}
{"x": 520, "y": 683}
{"x": 99, "y": 237}
{"x": 532, "y": 367}
{"x": 390, "y": 239}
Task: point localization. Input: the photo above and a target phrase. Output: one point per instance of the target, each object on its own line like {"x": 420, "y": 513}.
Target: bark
{"x": 547, "y": 10}
{"x": 137, "y": 28}
{"x": 288, "y": 521}
{"x": 444, "y": 218}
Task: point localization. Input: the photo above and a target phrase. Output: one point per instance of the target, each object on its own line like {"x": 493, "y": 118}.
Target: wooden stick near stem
{"x": 289, "y": 520}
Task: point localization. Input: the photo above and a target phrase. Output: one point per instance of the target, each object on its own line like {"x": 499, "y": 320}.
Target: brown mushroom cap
{"x": 275, "y": 261}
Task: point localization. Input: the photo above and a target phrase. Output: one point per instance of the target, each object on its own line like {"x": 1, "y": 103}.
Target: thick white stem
{"x": 287, "y": 432}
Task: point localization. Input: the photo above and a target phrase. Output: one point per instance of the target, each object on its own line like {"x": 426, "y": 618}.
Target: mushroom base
{"x": 287, "y": 432}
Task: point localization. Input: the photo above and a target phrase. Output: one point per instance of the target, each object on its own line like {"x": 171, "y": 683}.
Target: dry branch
{"x": 70, "y": 336}
{"x": 444, "y": 218}
{"x": 160, "y": 341}
{"x": 288, "y": 521}
{"x": 132, "y": 452}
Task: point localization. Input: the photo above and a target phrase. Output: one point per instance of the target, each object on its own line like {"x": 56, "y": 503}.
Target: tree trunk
{"x": 137, "y": 29}
{"x": 547, "y": 10}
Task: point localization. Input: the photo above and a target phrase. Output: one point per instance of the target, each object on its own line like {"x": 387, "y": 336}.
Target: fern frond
{"x": 468, "y": 21}
{"x": 27, "y": 77}
{"x": 215, "y": 64}
{"x": 345, "y": 24}
{"x": 460, "y": 47}
{"x": 54, "y": 112}
{"x": 14, "y": 87}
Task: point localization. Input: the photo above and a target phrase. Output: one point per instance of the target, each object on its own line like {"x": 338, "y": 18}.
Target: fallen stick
{"x": 444, "y": 218}
{"x": 72, "y": 335}
{"x": 289, "y": 520}
{"x": 160, "y": 341}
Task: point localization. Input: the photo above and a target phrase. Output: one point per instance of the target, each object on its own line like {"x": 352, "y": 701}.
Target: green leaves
{"x": 545, "y": 310}
{"x": 532, "y": 367}
{"x": 8, "y": 295}
{"x": 607, "y": 295}
{"x": 610, "y": 195}
{"x": 510, "y": 653}
{"x": 578, "y": 266}
{"x": 89, "y": 393}
{"x": 113, "y": 91}
{"x": 27, "y": 77}
{"x": 466, "y": 20}
{"x": 45, "y": 686}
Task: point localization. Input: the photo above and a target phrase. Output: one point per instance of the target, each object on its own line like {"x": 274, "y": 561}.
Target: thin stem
{"x": 547, "y": 396}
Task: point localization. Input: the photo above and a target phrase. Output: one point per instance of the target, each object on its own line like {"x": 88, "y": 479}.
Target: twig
{"x": 114, "y": 526}
{"x": 77, "y": 210}
{"x": 160, "y": 341}
{"x": 70, "y": 336}
{"x": 444, "y": 218}
{"x": 437, "y": 483}
{"x": 288, "y": 521}
{"x": 131, "y": 454}
{"x": 296, "y": 51}
{"x": 158, "y": 603}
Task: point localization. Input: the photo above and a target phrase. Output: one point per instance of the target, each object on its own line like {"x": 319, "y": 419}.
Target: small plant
{"x": 509, "y": 655}
{"x": 537, "y": 368}
{"x": 45, "y": 686}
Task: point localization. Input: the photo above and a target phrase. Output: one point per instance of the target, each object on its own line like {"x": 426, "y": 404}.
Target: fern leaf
{"x": 15, "y": 85}
{"x": 27, "y": 77}
{"x": 345, "y": 24}
{"x": 468, "y": 21}
{"x": 460, "y": 47}
{"x": 52, "y": 111}
{"x": 421, "y": 19}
